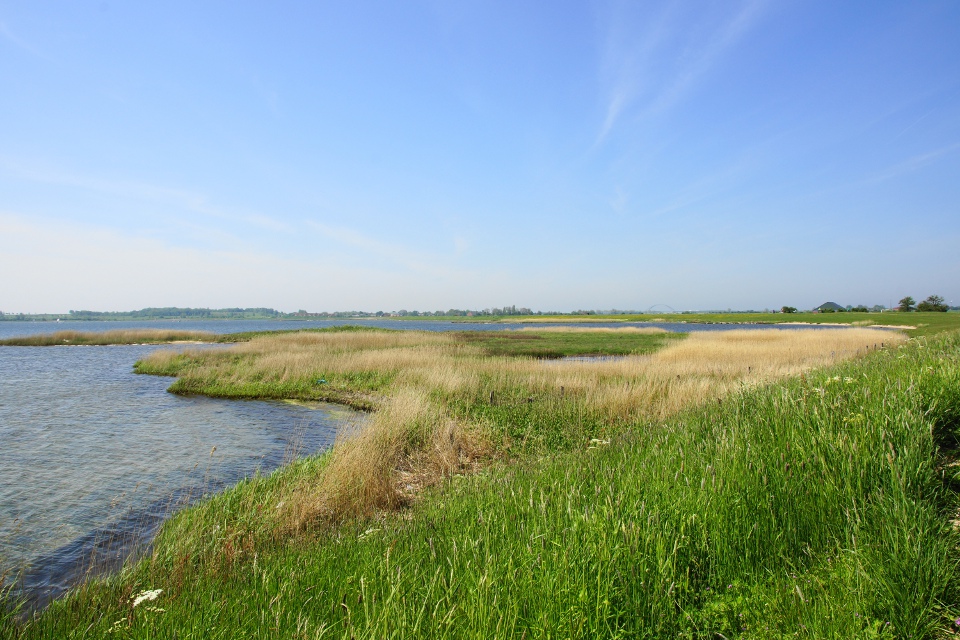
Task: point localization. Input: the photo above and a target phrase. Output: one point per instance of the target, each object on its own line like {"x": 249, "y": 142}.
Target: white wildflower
{"x": 597, "y": 442}
{"x": 116, "y": 626}
{"x": 146, "y": 596}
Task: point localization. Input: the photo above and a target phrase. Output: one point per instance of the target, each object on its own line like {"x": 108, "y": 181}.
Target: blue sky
{"x": 427, "y": 155}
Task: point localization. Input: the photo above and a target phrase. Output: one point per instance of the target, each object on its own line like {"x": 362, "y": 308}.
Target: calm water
{"x": 9, "y": 329}
{"x": 93, "y": 457}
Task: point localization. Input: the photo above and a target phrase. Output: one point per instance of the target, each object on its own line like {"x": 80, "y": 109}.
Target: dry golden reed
{"x": 413, "y": 439}
{"x": 409, "y": 443}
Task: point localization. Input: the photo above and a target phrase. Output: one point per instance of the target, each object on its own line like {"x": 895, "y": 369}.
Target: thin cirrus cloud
{"x": 7, "y": 34}
{"x": 912, "y": 164}
{"x": 648, "y": 74}
{"x": 905, "y": 167}
{"x": 712, "y": 185}
{"x": 397, "y": 254}
{"x": 173, "y": 198}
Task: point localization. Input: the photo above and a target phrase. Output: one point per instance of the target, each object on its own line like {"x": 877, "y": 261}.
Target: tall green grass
{"x": 815, "y": 508}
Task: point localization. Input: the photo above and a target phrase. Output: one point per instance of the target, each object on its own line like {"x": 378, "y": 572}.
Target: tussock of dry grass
{"x": 408, "y": 444}
{"x": 415, "y": 438}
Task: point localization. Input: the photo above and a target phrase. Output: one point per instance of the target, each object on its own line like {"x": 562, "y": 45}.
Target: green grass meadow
{"x": 819, "y": 507}
{"x": 560, "y": 344}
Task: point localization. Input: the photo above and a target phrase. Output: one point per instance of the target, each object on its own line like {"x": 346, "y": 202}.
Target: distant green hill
{"x": 830, "y": 306}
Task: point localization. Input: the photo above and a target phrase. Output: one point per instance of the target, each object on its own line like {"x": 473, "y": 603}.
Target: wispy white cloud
{"x": 267, "y": 222}
{"x": 723, "y": 180}
{"x": 650, "y": 63}
{"x": 619, "y": 201}
{"x": 904, "y": 167}
{"x": 911, "y": 164}
{"x": 915, "y": 123}
{"x": 176, "y": 198}
{"x": 396, "y": 253}
{"x": 6, "y": 33}
{"x": 701, "y": 60}
{"x": 627, "y": 51}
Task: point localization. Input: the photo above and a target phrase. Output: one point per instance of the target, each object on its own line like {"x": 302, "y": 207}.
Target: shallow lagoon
{"x": 95, "y": 456}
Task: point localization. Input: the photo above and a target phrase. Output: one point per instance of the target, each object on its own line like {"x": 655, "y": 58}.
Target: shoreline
{"x": 574, "y": 500}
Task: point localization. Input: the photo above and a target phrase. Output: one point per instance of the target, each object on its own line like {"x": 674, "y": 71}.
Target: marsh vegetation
{"x": 100, "y": 338}
{"x": 753, "y": 484}
{"x": 442, "y": 403}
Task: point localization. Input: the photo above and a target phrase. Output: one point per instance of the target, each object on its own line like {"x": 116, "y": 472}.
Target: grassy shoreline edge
{"x": 843, "y": 479}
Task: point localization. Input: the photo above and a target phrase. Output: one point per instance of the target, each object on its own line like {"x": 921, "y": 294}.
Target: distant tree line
{"x": 167, "y": 313}
{"x": 854, "y": 309}
{"x": 907, "y": 304}
{"x": 932, "y": 303}
{"x": 178, "y": 313}
{"x": 494, "y": 311}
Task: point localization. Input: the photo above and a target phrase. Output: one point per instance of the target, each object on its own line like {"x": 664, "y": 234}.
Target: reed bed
{"x": 117, "y": 336}
{"x": 815, "y": 507}
{"x": 443, "y": 406}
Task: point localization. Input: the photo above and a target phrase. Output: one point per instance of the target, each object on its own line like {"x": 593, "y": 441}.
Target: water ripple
{"x": 94, "y": 457}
